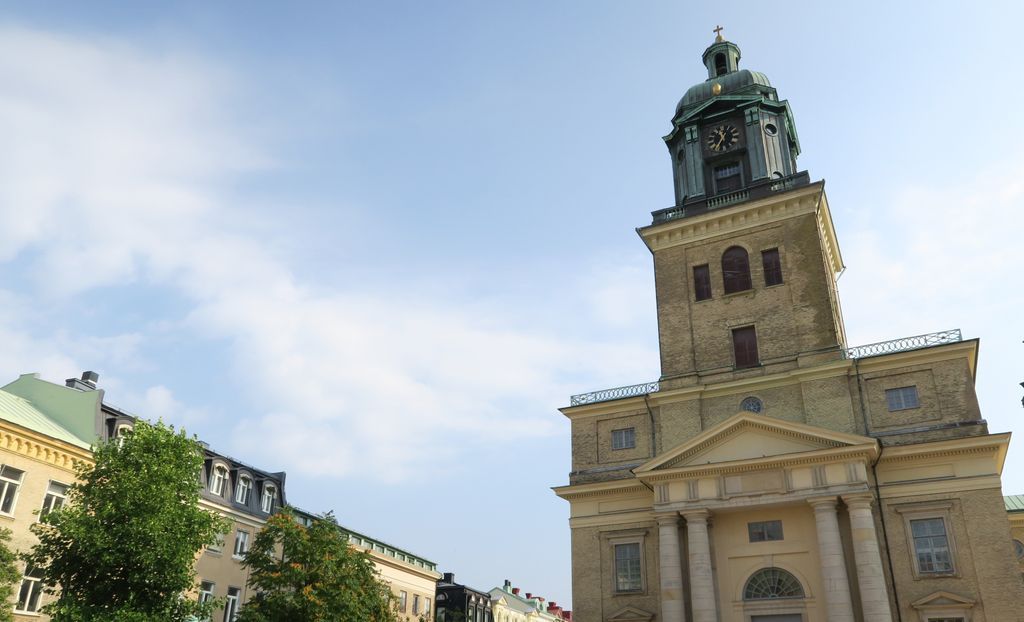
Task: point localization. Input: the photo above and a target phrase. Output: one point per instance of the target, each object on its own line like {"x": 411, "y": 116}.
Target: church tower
{"x": 773, "y": 473}
{"x": 746, "y": 260}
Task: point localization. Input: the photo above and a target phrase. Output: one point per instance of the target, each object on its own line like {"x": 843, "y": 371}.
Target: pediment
{"x": 942, "y": 599}
{"x": 631, "y": 614}
{"x": 746, "y": 436}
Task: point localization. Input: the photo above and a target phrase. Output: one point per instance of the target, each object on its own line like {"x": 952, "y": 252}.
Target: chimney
{"x": 515, "y": 591}
{"x": 529, "y": 596}
{"x": 86, "y": 383}
{"x": 508, "y": 586}
{"x": 449, "y": 577}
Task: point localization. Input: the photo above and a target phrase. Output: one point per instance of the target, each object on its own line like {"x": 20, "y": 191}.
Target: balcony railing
{"x": 858, "y": 352}
{"x": 606, "y": 395}
{"x": 904, "y": 344}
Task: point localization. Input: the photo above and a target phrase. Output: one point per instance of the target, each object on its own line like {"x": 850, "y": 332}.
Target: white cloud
{"x": 113, "y": 173}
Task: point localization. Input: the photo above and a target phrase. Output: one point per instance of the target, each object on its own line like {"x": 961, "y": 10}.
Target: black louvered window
{"x": 735, "y": 270}
{"x": 744, "y": 344}
{"x": 702, "y": 282}
{"x": 772, "y": 266}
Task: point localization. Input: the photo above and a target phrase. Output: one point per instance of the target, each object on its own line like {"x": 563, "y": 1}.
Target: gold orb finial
{"x": 718, "y": 34}
{"x": 716, "y": 88}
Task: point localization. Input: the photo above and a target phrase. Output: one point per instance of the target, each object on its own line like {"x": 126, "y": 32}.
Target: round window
{"x": 1018, "y": 548}
{"x": 770, "y": 129}
{"x": 752, "y": 404}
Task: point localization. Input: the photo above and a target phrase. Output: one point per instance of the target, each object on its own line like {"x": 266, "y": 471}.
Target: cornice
{"x": 943, "y": 352}
{"x": 972, "y": 445}
{"x": 575, "y": 492}
{"x": 732, "y": 219}
{"x": 41, "y": 448}
{"x": 398, "y": 564}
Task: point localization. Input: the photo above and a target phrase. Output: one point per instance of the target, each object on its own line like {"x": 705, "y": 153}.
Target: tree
{"x": 312, "y": 574}
{"x": 8, "y": 574}
{"x": 123, "y": 548}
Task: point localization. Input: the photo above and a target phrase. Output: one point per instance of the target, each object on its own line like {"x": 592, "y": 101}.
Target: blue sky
{"x": 377, "y": 245}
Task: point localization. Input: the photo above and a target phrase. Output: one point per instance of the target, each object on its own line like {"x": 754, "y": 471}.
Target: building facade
{"x": 509, "y": 605}
{"x": 413, "y": 579}
{"x": 773, "y": 473}
{"x": 460, "y": 603}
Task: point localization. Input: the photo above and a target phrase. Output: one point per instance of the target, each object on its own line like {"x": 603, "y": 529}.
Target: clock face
{"x": 723, "y": 137}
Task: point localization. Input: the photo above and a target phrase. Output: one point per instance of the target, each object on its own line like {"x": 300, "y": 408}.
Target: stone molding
{"x": 41, "y": 448}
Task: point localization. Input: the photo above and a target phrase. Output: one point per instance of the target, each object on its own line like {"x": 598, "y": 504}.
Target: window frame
{"x": 243, "y": 488}
{"x": 269, "y": 492}
{"x": 702, "y": 283}
{"x": 764, "y": 534}
{"x": 5, "y": 485}
{"x": 53, "y": 497}
{"x": 925, "y": 512}
{"x": 36, "y": 590}
{"x": 626, "y": 438}
{"x": 219, "y": 475}
{"x": 773, "y": 268}
{"x": 241, "y": 535}
{"x": 901, "y": 394}
{"x": 740, "y": 281}
{"x": 403, "y": 600}
{"x": 617, "y": 538}
{"x": 231, "y": 604}
{"x": 747, "y": 363}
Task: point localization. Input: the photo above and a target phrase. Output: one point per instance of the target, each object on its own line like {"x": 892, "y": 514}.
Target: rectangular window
{"x": 31, "y": 588}
{"x": 744, "y": 345}
{"x": 901, "y": 398}
{"x": 931, "y": 546}
{"x": 217, "y": 545}
{"x": 624, "y": 438}
{"x": 206, "y": 591}
{"x": 56, "y": 494}
{"x": 765, "y": 531}
{"x": 10, "y": 481}
{"x": 701, "y": 282}
{"x": 231, "y": 604}
{"x": 241, "y": 543}
{"x": 627, "y": 567}
{"x": 772, "y": 266}
{"x": 217, "y": 481}
{"x": 415, "y": 604}
{"x": 402, "y": 598}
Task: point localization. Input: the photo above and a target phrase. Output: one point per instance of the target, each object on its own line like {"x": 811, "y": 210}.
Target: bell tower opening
{"x": 720, "y": 65}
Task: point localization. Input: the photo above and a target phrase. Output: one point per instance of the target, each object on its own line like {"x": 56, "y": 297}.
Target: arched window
{"x": 769, "y": 583}
{"x": 243, "y": 490}
{"x": 720, "y": 66}
{"x": 269, "y": 496}
{"x": 735, "y": 269}
{"x": 220, "y": 475}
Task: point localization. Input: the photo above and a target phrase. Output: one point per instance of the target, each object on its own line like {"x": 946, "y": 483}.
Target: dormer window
{"x": 269, "y": 496}
{"x": 243, "y": 490}
{"x": 121, "y": 433}
{"x": 220, "y": 475}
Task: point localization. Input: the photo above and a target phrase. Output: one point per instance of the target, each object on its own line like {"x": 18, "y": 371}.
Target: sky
{"x": 378, "y": 245}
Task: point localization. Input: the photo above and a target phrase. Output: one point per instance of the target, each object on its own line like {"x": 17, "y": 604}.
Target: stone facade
{"x": 774, "y": 473}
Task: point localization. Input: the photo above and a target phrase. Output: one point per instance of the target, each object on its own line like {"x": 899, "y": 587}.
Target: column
{"x": 702, "y": 583}
{"x": 671, "y": 569}
{"x": 833, "y": 565}
{"x": 874, "y": 596}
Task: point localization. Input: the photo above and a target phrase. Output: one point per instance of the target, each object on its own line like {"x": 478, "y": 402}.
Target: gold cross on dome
{"x": 718, "y": 34}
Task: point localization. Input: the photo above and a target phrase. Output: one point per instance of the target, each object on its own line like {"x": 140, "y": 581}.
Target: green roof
{"x": 19, "y": 411}
{"x": 1014, "y": 503}
{"x": 76, "y": 412}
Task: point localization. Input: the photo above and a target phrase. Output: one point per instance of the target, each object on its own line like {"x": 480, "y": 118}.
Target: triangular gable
{"x": 746, "y": 436}
{"x": 942, "y": 599}
{"x": 631, "y": 614}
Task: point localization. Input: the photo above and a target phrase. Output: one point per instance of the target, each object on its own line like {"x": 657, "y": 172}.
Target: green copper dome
{"x": 742, "y": 82}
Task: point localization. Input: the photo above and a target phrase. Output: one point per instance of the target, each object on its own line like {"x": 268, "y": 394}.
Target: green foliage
{"x": 9, "y": 575}
{"x": 312, "y": 574}
{"x": 123, "y": 548}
